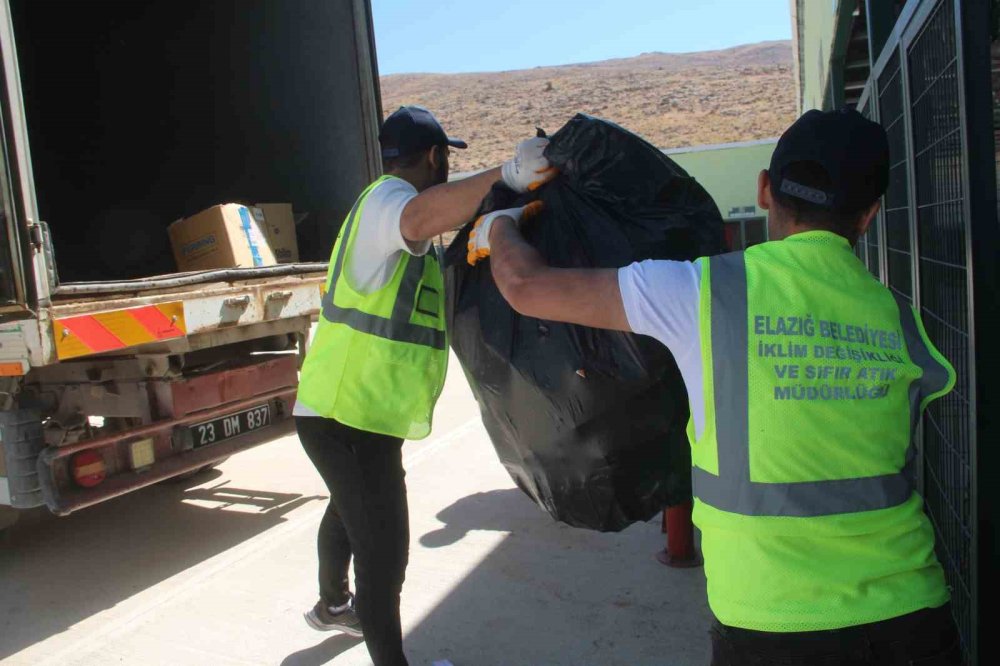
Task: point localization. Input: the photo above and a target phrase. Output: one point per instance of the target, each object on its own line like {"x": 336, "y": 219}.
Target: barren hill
{"x": 673, "y": 100}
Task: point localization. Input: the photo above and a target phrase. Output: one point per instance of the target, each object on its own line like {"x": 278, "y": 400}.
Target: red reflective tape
{"x": 157, "y": 323}
{"x": 90, "y": 332}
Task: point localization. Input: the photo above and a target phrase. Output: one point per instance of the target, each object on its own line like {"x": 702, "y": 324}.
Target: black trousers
{"x": 925, "y": 638}
{"x": 367, "y": 518}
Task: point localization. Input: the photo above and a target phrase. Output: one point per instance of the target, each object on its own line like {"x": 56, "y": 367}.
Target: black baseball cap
{"x": 852, "y": 150}
{"x": 412, "y": 129}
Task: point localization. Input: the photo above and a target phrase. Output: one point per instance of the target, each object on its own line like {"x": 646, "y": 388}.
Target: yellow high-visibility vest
{"x": 815, "y": 379}
{"x": 378, "y": 361}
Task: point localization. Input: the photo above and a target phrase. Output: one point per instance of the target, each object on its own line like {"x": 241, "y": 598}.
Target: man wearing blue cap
{"x": 377, "y": 365}
{"x": 806, "y": 380}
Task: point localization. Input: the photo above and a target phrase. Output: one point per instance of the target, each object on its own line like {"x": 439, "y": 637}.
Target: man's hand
{"x": 529, "y": 169}
{"x": 479, "y": 238}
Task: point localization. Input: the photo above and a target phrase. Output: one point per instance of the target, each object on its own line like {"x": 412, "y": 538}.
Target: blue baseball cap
{"x": 412, "y": 129}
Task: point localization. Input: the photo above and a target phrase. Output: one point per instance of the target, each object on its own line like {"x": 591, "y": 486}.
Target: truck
{"x": 117, "y": 371}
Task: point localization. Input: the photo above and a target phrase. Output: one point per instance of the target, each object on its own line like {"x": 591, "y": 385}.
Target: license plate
{"x": 233, "y": 425}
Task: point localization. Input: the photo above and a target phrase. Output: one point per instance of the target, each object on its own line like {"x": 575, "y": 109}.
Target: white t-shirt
{"x": 378, "y": 244}
{"x": 661, "y": 300}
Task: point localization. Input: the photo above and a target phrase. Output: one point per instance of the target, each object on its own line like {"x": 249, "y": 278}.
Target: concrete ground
{"x": 218, "y": 570}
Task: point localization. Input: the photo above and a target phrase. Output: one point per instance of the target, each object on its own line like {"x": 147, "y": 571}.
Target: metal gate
{"x": 922, "y": 246}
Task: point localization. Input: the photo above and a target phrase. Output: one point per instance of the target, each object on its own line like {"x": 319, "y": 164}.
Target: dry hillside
{"x": 673, "y": 100}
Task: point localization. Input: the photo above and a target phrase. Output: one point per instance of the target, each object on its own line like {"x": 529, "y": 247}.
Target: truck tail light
{"x": 88, "y": 468}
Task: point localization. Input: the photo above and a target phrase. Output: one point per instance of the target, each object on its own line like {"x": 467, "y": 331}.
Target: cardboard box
{"x": 279, "y": 227}
{"x": 226, "y": 236}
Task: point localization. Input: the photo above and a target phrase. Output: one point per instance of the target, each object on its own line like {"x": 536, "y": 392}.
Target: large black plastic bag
{"x": 589, "y": 423}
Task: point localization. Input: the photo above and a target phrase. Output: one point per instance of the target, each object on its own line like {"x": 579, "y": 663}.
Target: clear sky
{"x": 493, "y": 35}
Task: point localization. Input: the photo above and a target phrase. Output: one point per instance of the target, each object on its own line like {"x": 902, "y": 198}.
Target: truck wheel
{"x": 23, "y": 441}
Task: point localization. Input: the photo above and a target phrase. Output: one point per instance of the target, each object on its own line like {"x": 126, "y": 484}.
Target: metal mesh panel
{"x": 867, "y": 248}
{"x": 896, "y": 203}
{"x": 944, "y": 295}
{"x": 873, "y": 243}
{"x": 861, "y": 248}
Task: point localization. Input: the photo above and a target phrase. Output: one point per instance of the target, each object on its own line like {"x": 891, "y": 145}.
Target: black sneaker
{"x": 322, "y": 618}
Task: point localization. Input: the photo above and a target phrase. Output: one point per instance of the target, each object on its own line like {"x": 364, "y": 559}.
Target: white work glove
{"x": 479, "y": 237}
{"x": 529, "y": 169}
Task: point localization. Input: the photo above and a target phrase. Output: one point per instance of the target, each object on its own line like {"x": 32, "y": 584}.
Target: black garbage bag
{"x": 589, "y": 423}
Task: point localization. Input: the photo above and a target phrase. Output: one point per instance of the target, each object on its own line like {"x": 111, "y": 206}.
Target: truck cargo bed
{"x": 79, "y": 292}
{"x": 166, "y": 315}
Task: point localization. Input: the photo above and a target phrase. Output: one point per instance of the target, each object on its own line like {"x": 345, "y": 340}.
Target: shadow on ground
{"x": 322, "y": 653}
{"x": 55, "y": 572}
{"x": 552, "y": 594}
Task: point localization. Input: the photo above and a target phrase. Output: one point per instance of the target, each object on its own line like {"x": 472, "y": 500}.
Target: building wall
{"x": 816, "y": 28}
{"x": 729, "y": 173}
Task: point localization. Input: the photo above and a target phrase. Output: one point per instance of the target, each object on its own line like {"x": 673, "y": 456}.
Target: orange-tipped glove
{"x": 479, "y": 237}
{"x": 529, "y": 169}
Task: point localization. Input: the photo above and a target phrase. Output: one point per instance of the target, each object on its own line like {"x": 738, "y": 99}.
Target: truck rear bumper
{"x": 199, "y": 420}
{"x": 67, "y": 500}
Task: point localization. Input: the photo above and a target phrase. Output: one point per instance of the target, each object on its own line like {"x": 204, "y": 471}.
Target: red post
{"x": 680, "y": 551}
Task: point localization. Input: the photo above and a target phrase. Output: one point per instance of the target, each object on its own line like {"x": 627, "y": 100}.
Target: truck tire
{"x": 22, "y": 439}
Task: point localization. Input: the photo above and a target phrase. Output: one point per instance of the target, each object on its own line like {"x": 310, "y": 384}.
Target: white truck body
{"x": 109, "y": 385}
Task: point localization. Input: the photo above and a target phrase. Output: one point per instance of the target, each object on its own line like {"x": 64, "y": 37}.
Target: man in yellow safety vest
{"x": 377, "y": 364}
{"x": 806, "y": 379}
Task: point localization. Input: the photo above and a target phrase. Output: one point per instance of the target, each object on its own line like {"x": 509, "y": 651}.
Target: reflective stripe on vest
{"x": 733, "y": 490}
{"x": 398, "y": 327}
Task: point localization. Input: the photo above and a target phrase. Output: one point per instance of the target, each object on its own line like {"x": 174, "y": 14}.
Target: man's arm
{"x": 589, "y": 297}
{"x": 445, "y": 207}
